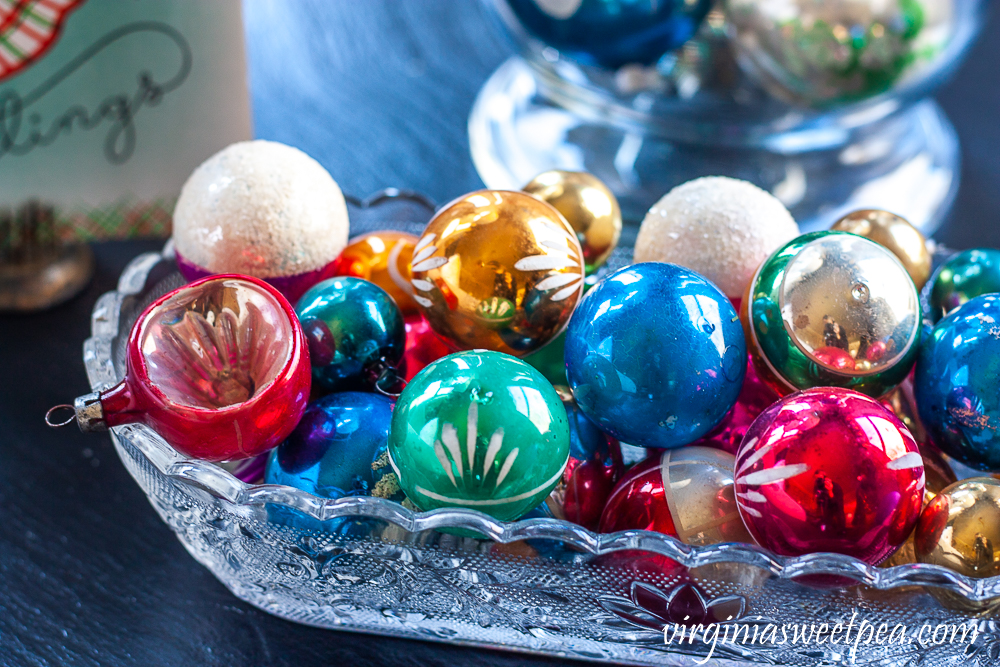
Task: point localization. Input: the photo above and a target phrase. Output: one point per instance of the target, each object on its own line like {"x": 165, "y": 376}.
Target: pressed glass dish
{"x": 541, "y": 585}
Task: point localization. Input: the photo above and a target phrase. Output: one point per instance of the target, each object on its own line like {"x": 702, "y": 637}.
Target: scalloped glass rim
{"x": 146, "y": 270}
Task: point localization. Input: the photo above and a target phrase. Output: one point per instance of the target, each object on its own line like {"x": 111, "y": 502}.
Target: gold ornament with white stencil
{"x": 498, "y": 270}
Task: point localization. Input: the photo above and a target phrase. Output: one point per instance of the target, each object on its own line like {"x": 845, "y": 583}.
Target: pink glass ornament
{"x": 219, "y": 368}
{"x": 686, "y": 492}
{"x": 754, "y": 398}
{"x": 423, "y": 346}
{"x": 291, "y": 287}
{"x": 829, "y": 470}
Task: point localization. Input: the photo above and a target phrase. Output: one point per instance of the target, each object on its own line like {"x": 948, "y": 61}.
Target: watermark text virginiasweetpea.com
{"x": 850, "y": 635}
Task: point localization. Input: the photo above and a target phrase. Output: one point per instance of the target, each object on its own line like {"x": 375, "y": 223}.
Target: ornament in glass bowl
{"x": 261, "y": 209}
{"x": 956, "y": 383}
{"x": 611, "y": 33}
{"x": 721, "y": 228}
{"x": 895, "y": 233}
{"x": 588, "y": 206}
{"x": 498, "y": 270}
{"x": 685, "y": 492}
{"x": 480, "y": 430}
{"x": 964, "y": 276}
{"x": 646, "y": 127}
{"x": 655, "y": 355}
{"x": 594, "y": 466}
{"x": 382, "y": 257}
{"x": 829, "y": 470}
{"x": 219, "y": 368}
{"x": 822, "y": 53}
{"x": 356, "y": 334}
{"x": 832, "y": 309}
{"x": 960, "y": 529}
{"x": 332, "y": 450}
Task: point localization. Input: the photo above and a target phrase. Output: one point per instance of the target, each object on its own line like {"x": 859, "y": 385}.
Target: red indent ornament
{"x": 219, "y": 368}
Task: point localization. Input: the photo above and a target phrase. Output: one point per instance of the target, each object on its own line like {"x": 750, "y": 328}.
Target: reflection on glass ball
{"x": 832, "y": 309}
{"x": 611, "y": 33}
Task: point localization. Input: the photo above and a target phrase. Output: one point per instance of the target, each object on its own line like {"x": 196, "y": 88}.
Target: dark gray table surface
{"x": 379, "y": 92}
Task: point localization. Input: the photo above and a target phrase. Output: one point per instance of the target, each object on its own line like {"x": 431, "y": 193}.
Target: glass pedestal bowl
{"x": 720, "y": 107}
{"x": 542, "y": 585}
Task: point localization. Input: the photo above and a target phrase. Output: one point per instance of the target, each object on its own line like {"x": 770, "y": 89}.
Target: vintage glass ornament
{"x": 938, "y": 475}
{"x": 964, "y": 276}
{"x": 719, "y": 227}
{"x": 956, "y": 383}
{"x": 383, "y": 258}
{"x": 655, "y": 355}
{"x": 895, "y": 233}
{"x": 589, "y": 207}
{"x": 355, "y": 331}
{"x": 754, "y": 398}
{"x": 823, "y": 53}
{"x": 611, "y": 33}
{"x": 686, "y": 492}
{"x": 829, "y": 470}
{"x": 550, "y": 361}
{"x": 594, "y": 466}
{"x": 498, "y": 270}
{"x": 480, "y": 430}
{"x": 331, "y": 451}
{"x": 219, "y": 368}
{"x": 832, "y": 309}
{"x": 423, "y": 346}
{"x": 262, "y": 209}
{"x": 960, "y": 529}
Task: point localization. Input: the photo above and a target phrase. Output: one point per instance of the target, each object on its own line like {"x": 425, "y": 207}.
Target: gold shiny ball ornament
{"x": 960, "y": 529}
{"x": 895, "y": 233}
{"x": 498, "y": 270}
{"x": 589, "y": 207}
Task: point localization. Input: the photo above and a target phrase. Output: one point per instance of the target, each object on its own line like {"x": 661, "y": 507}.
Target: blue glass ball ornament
{"x": 331, "y": 452}
{"x": 655, "y": 355}
{"x": 355, "y": 333}
{"x": 612, "y": 33}
{"x": 957, "y": 383}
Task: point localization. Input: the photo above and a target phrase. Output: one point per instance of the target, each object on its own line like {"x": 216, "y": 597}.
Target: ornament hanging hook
{"x": 59, "y": 424}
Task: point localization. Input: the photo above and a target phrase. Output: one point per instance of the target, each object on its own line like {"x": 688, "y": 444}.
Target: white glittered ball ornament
{"x": 722, "y": 228}
{"x": 262, "y": 209}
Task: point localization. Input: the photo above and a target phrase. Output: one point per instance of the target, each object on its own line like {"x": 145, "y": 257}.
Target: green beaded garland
{"x": 481, "y": 430}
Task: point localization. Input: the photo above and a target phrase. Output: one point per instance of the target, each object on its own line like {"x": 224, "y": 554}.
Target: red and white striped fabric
{"x": 28, "y": 28}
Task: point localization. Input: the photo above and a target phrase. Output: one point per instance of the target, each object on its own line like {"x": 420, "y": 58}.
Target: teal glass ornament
{"x": 964, "y": 276}
{"x": 355, "y": 332}
{"x": 480, "y": 430}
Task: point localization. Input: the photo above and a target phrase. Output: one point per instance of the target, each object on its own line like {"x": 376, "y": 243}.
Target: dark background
{"x": 379, "y": 92}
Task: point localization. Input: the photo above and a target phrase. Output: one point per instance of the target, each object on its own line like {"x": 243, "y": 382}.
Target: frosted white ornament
{"x": 722, "y": 228}
{"x": 263, "y": 209}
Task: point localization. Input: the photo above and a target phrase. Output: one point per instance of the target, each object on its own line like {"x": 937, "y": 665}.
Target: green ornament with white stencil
{"x": 480, "y": 430}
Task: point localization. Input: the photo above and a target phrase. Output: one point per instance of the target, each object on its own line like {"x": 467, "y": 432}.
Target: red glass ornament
{"x": 754, "y": 398}
{"x": 219, "y": 368}
{"x": 829, "y": 470}
{"x": 686, "y": 493}
{"x": 423, "y": 345}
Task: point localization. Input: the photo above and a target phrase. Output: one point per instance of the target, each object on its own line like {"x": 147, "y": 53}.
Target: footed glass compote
{"x": 823, "y": 103}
